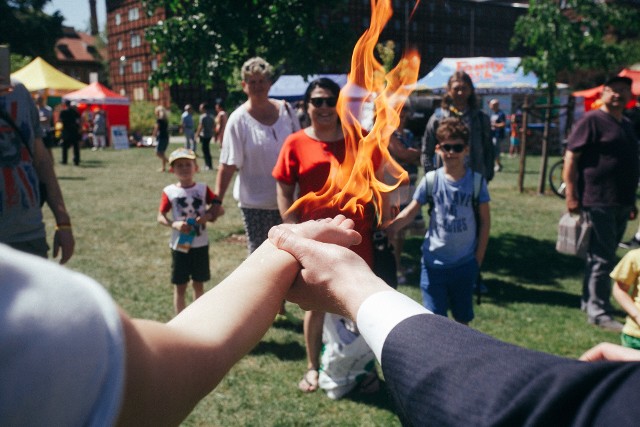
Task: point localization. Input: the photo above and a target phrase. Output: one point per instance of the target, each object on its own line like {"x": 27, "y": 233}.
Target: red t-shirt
{"x": 307, "y": 162}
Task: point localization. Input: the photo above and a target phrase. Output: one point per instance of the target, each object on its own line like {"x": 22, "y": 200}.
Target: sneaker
{"x": 607, "y": 323}
{"x": 633, "y": 243}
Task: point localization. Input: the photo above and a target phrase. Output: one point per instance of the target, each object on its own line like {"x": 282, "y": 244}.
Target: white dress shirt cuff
{"x": 380, "y": 313}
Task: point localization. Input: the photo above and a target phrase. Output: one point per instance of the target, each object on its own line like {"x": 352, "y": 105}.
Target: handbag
{"x": 574, "y": 234}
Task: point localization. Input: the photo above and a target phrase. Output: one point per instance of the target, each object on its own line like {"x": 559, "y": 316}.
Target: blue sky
{"x": 76, "y": 12}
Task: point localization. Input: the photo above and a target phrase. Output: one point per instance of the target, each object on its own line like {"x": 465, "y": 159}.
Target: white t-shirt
{"x": 254, "y": 148}
{"x": 62, "y": 354}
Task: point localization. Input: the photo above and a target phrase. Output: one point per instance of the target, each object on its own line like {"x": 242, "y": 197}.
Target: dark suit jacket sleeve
{"x": 444, "y": 374}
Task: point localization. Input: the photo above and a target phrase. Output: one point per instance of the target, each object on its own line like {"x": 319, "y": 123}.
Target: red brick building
{"x": 130, "y": 58}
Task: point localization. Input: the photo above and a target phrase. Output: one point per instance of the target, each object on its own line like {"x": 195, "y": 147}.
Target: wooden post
{"x": 523, "y": 143}
{"x": 545, "y": 141}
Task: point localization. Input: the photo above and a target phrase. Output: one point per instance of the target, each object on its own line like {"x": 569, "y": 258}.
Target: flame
{"x": 368, "y": 173}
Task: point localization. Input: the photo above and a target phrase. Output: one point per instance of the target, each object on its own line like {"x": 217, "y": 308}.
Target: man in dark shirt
{"x": 70, "y": 119}
{"x": 601, "y": 173}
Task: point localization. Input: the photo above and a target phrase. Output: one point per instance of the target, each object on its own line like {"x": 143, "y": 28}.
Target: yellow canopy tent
{"x": 39, "y": 75}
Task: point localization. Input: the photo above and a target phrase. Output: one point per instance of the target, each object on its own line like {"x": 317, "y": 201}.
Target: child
{"x": 189, "y": 203}
{"x": 455, "y": 243}
{"x": 625, "y": 290}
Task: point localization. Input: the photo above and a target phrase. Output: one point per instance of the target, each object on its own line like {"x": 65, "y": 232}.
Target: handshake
{"x": 332, "y": 278}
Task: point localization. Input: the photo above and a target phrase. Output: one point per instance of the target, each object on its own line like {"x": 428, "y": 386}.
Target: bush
{"x": 141, "y": 117}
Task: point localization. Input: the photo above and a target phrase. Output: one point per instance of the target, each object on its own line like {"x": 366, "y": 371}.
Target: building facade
{"x": 436, "y": 29}
{"x": 130, "y": 58}
{"x": 79, "y": 55}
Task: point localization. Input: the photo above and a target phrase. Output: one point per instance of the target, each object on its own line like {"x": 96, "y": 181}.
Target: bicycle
{"x": 555, "y": 175}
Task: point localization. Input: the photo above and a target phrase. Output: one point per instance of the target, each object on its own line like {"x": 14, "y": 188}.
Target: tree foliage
{"x": 205, "y": 40}
{"x": 571, "y": 35}
{"x": 27, "y": 29}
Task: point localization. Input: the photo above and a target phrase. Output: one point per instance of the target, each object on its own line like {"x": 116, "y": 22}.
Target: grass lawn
{"x": 113, "y": 198}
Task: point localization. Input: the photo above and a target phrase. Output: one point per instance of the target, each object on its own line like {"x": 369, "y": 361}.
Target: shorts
{"x": 257, "y": 223}
{"x": 193, "y": 264}
{"x": 450, "y": 287}
{"x": 37, "y": 247}
{"x": 630, "y": 341}
{"x": 163, "y": 144}
{"x": 515, "y": 141}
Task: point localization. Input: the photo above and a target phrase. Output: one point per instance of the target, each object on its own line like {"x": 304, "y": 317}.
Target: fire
{"x": 359, "y": 180}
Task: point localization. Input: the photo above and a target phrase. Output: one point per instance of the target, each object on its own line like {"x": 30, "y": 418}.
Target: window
{"x": 121, "y": 69}
{"x": 138, "y": 94}
{"x": 136, "y": 67}
{"x": 123, "y": 92}
{"x": 155, "y": 92}
{"x": 134, "y": 14}
{"x": 136, "y": 40}
{"x": 119, "y": 44}
{"x": 118, "y": 19}
{"x": 154, "y": 64}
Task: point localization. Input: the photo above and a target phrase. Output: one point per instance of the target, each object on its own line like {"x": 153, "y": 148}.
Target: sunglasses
{"x": 329, "y": 102}
{"x": 455, "y": 148}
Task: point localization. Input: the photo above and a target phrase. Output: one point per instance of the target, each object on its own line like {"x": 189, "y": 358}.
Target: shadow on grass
{"x": 529, "y": 260}
{"x": 525, "y": 259}
{"x": 91, "y": 164}
{"x": 503, "y": 293}
{"x": 71, "y": 178}
{"x": 283, "y": 351}
{"x": 380, "y": 399}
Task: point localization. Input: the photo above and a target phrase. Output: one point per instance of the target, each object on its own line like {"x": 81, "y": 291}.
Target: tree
{"x": 210, "y": 39}
{"x": 566, "y": 36}
{"x": 27, "y": 29}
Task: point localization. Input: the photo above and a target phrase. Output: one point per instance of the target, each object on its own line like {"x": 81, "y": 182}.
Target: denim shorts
{"x": 444, "y": 288}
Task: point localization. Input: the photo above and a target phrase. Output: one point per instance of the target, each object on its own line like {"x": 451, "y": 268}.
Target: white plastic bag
{"x": 346, "y": 358}
{"x": 574, "y": 234}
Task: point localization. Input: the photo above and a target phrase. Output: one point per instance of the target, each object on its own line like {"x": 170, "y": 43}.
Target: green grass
{"x": 113, "y": 198}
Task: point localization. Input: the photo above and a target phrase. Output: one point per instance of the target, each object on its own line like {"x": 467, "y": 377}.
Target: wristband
{"x": 216, "y": 202}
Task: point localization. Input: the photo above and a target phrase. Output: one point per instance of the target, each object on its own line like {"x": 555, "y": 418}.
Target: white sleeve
{"x": 380, "y": 313}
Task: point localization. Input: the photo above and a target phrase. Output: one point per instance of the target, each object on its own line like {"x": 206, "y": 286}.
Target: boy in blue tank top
{"x": 456, "y": 240}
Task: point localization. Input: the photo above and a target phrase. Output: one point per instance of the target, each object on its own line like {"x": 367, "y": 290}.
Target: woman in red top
{"x": 305, "y": 159}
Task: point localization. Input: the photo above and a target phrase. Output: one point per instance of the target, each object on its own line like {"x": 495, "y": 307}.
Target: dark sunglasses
{"x": 456, "y": 148}
{"x": 329, "y": 102}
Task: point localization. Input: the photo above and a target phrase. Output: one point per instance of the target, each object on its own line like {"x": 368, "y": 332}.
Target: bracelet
{"x": 216, "y": 202}
{"x": 63, "y": 227}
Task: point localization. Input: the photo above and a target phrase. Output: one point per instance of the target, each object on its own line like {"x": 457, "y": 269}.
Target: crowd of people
{"x": 133, "y": 371}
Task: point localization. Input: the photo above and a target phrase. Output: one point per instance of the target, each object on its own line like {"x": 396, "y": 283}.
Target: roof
{"x": 40, "y": 75}
{"x": 77, "y": 46}
{"x": 96, "y": 93}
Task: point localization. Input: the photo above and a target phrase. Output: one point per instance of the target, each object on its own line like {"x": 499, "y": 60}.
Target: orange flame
{"x": 362, "y": 177}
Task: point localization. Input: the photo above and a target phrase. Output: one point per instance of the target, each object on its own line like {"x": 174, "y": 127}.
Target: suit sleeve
{"x": 445, "y": 374}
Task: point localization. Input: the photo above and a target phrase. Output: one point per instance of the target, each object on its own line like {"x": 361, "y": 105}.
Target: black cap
{"x": 618, "y": 79}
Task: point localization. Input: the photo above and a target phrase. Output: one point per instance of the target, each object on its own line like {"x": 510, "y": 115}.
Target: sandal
{"x": 309, "y": 383}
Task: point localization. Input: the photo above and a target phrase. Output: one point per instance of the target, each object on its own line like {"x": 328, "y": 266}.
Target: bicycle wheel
{"x": 555, "y": 179}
